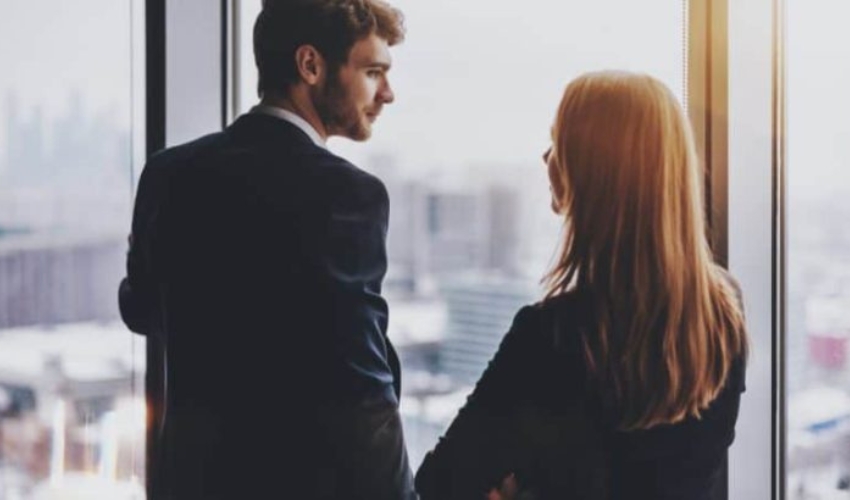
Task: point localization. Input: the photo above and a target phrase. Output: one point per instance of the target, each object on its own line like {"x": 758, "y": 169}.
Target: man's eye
{"x": 374, "y": 73}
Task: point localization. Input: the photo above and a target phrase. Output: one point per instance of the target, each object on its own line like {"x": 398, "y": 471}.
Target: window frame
{"x": 187, "y": 88}
{"x": 185, "y": 103}
{"x": 717, "y": 48}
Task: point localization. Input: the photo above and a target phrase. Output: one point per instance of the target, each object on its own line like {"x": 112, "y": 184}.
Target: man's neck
{"x": 301, "y": 107}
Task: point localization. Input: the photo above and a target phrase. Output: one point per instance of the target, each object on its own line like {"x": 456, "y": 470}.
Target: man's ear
{"x": 310, "y": 64}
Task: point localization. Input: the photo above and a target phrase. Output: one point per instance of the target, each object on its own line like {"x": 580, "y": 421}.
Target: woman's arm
{"x": 475, "y": 455}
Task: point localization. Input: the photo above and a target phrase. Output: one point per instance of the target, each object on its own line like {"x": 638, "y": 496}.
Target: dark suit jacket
{"x": 258, "y": 257}
{"x": 535, "y": 414}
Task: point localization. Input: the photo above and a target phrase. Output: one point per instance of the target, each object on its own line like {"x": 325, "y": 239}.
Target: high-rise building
{"x": 481, "y": 308}
{"x": 437, "y": 230}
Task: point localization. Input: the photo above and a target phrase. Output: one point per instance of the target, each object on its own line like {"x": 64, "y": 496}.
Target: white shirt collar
{"x": 292, "y": 118}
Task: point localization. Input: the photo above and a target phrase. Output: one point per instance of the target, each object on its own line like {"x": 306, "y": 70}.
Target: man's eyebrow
{"x": 379, "y": 64}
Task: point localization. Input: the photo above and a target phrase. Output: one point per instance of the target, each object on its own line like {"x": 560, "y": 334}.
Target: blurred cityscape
{"x": 465, "y": 253}
{"x": 818, "y": 348}
{"x": 467, "y": 247}
{"x": 72, "y": 414}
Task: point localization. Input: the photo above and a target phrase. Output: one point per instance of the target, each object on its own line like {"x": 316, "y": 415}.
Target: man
{"x": 257, "y": 255}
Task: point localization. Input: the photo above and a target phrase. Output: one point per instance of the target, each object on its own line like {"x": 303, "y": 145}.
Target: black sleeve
{"x": 370, "y": 459}
{"x": 354, "y": 266}
{"x": 137, "y": 297}
{"x": 474, "y": 455}
{"x": 371, "y": 455}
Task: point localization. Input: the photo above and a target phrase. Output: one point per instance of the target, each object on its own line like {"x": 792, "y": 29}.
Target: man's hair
{"x": 331, "y": 26}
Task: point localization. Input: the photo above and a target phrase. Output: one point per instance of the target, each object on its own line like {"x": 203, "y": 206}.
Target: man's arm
{"x": 371, "y": 456}
{"x": 137, "y": 298}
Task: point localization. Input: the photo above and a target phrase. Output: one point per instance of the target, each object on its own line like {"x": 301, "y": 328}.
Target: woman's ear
{"x": 556, "y": 183}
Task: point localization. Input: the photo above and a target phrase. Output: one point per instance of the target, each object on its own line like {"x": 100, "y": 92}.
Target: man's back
{"x": 259, "y": 261}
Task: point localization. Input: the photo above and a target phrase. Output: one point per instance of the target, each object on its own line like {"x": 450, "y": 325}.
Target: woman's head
{"x": 625, "y": 176}
{"x": 624, "y": 172}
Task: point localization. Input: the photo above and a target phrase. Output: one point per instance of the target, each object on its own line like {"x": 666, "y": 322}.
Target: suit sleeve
{"x": 137, "y": 297}
{"x": 373, "y": 461}
{"x": 474, "y": 455}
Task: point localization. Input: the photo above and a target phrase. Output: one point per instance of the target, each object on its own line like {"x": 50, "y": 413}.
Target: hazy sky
{"x": 477, "y": 81}
{"x": 818, "y": 65}
{"x": 48, "y": 48}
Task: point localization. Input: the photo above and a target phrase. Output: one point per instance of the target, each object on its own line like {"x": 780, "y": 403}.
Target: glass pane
{"x": 72, "y": 411}
{"x": 750, "y": 232}
{"x": 471, "y": 233}
{"x": 818, "y": 52}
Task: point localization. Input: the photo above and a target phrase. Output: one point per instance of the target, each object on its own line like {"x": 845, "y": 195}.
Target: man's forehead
{"x": 371, "y": 51}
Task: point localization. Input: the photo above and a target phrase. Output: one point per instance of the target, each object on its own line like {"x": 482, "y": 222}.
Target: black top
{"x": 533, "y": 413}
{"x": 258, "y": 257}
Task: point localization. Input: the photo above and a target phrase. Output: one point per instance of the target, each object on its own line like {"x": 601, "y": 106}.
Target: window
{"x": 818, "y": 265}
{"x": 471, "y": 233}
{"x": 748, "y": 122}
{"x": 72, "y": 415}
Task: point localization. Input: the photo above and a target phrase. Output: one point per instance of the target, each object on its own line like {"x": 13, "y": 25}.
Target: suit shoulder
{"x": 528, "y": 316}
{"x": 347, "y": 170}
{"x": 571, "y": 303}
{"x": 559, "y": 318}
{"x": 162, "y": 167}
{"x": 525, "y": 330}
{"x": 349, "y": 183}
{"x": 185, "y": 152}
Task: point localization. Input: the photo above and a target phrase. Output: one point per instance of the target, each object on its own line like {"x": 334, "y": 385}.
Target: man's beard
{"x": 338, "y": 114}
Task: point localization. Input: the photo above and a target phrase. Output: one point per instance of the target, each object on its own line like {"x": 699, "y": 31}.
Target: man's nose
{"x": 385, "y": 93}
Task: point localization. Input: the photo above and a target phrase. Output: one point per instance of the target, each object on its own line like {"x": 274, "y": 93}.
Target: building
{"x": 481, "y": 308}
{"x": 52, "y": 279}
{"x": 72, "y": 402}
{"x": 437, "y": 230}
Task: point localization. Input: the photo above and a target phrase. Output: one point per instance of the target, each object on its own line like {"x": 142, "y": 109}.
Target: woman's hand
{"x": 507, "y": 491}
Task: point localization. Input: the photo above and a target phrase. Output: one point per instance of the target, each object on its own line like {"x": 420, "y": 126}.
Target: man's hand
{"x": 507, "y": 491}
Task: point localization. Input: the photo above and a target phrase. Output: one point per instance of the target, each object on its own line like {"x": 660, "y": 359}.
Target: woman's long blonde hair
{"x": 668, "y": 324}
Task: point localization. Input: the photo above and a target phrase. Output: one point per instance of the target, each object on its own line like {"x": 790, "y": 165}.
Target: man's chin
{"x": 360, "y": 134}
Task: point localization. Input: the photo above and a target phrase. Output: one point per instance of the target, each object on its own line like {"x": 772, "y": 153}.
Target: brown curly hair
{"x": 331, "y": 26}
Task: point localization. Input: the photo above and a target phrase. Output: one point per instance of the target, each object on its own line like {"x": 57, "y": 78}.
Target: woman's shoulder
{"x": 563, "y": 312}
{"x": 571, "y": 302}
{"x": 552, "y": 323}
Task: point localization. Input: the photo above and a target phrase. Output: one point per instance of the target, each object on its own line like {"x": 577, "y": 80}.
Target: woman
{"x": 624, "y": 382}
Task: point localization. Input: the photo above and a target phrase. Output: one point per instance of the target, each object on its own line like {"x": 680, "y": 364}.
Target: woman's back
{"x": 625, "y": 381}
{"x": 685, "y": 460}
{"x": 536, "y": 414}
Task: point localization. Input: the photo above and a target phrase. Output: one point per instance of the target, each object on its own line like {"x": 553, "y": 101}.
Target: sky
{"x": 476, "y": 81}
{"x": 58, "y": 54}
{"x": 479, "y": 81}
{"x": 48, "y": 48}
{"x": 818, "y": 65}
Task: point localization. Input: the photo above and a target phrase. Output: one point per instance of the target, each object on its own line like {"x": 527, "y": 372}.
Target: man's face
{"x": 351, "y": 99}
